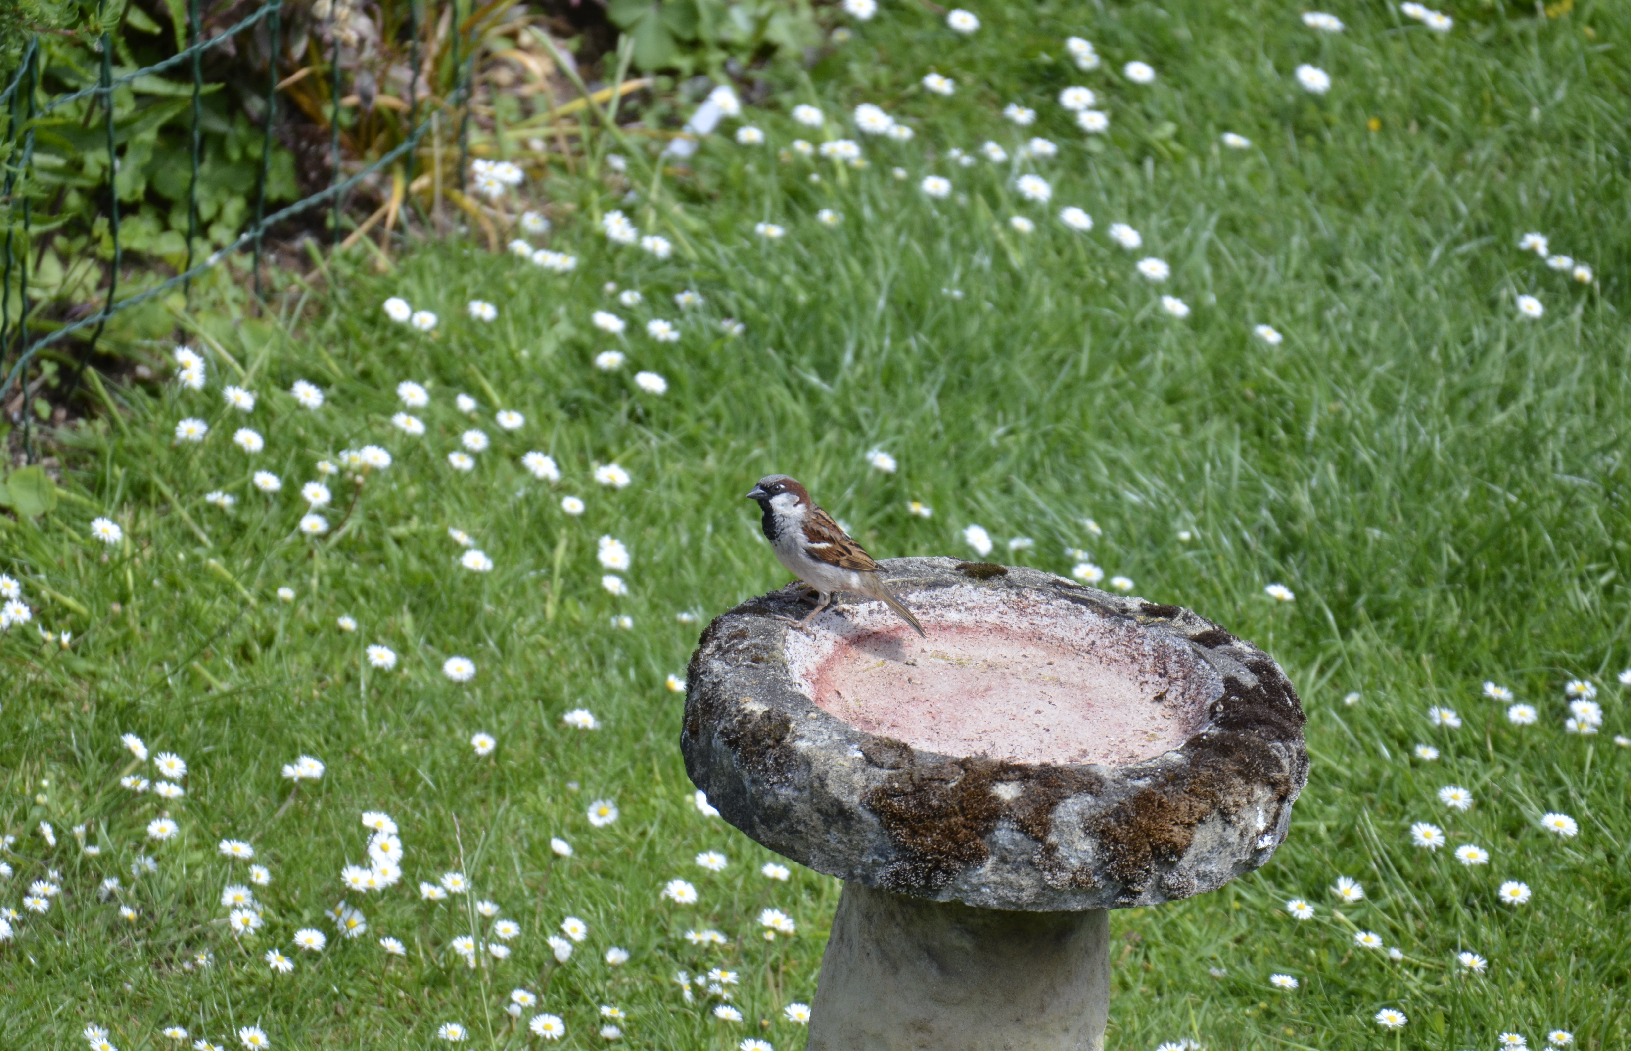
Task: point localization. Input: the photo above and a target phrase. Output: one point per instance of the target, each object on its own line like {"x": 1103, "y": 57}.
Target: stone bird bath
{"x": 1048, "y": 753}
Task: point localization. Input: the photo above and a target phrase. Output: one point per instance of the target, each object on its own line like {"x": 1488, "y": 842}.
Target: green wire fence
{"x": 20, "y": 102}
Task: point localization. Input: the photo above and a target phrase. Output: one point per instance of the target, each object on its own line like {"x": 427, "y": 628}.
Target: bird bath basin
{"x": 1048, "y": 752}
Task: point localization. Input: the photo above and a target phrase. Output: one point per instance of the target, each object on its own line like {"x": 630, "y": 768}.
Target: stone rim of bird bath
{"x": 1064, "y": 812}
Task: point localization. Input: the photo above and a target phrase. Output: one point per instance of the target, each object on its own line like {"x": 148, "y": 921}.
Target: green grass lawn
{"x": 1440, "y": 480}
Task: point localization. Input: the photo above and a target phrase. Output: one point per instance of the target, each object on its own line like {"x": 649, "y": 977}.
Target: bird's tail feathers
{"x": 882, "y": 595}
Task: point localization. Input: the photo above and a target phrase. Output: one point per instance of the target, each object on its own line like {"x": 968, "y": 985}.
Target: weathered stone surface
{"x": 903, "y": 973}
{"x": 982, "y": 829}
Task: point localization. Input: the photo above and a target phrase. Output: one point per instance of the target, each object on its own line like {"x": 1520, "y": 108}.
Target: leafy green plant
{"x": 119, "y": 191}
{"x": 28, "y": 492}
{"x": 693, "y": 35}
{"x": 67, "y": 246}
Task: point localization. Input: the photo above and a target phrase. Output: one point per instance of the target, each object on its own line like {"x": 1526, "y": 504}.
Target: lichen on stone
{"x": 978, "y": 829}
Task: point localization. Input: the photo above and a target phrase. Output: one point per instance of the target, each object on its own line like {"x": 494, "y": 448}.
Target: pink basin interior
{"x": 1006, "y": 675}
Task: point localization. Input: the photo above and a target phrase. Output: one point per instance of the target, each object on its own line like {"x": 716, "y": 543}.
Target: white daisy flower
{"x": 617, "y": 228}
{"x": 541, "y": 466}
{"x": 1076, "y": 219}
{"x": 1077, "y": 99}
{"x": 1154, "y": 269}
{"x": 307, "y": 395}
{"x": 1513, "y": 892}
{"x": 1081, "y": 52}
{"x": 1425, "y": 835}
{"x": 1468, "y": 854}
{"x": 547, "y": 1026}
{"x": 1093, "y": 121}
{"x": 1562, "y": 824}
{"x": 412, "y": 394}
{"x": 610, "y": 474}
{"x": 840, "y": 149}
{"x": 1126, "y": 236}
{"x": 724, "y": 98}
{"x": 1034, "y": 188}
{"x": 555, "y": 262}
{"x": 1313, "y": 79}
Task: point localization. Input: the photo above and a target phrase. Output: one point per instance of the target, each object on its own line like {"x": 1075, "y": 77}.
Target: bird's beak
{"x": 757, "y": 494}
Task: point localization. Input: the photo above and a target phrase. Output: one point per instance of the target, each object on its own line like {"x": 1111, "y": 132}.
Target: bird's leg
{"x": 826, "y": 598}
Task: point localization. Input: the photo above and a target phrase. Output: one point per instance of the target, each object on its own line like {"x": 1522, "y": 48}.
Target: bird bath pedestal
{"x": 1047, "y": 753}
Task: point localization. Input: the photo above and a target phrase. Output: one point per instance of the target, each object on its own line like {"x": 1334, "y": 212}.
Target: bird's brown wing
{"x": 830, "y": 544}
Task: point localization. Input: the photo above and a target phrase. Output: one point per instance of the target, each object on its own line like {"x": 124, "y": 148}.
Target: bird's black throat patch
{"x": 767, "y": 521}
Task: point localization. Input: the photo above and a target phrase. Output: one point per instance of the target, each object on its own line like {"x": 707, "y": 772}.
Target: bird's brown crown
{"x": 773, "y": 485}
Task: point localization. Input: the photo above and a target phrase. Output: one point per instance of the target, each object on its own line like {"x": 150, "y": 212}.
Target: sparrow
{"x": 816, "y": 550}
